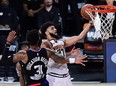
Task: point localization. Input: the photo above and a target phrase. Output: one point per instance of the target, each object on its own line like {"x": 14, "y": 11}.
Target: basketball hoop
{"x": 102, "y": 17}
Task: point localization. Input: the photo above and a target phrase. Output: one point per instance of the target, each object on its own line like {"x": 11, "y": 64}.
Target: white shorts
{"x": 55, "y": 81}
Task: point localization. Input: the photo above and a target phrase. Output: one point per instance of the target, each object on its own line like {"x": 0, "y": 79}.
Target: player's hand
{"x": 75, "y": 52}
{"x": 81, "y": 59}
{"x": 11, "y": 37}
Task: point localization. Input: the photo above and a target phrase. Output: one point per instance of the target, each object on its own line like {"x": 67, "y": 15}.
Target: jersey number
{"x": 39, "y": 73}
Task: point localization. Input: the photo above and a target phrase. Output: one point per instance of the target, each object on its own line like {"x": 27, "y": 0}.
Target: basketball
{"x": 83, "y": 12}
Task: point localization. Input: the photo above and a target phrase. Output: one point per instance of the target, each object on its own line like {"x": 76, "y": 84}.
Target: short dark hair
{"x": 44, "y": 27}
{"x": 33, "y": 37}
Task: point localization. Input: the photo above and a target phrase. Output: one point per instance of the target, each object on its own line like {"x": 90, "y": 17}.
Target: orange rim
{"x": 101, "y": 8}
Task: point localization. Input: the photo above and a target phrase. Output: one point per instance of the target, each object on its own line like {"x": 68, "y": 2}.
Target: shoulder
{"x": 64, "y": 39}
{"x": 46, "y": 44}
{"x": 55, "y": 9}
{"x": 61, "y": 41}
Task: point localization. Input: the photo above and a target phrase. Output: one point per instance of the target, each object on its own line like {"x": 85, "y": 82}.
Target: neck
{"x": 34, "y": 47}
{"x": 50, "y": 37}
{"x": 48, "y": 8}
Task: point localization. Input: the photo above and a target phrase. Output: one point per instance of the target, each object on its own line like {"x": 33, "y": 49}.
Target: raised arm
{"x": 10, "y": 39}
{"x": 74, "y": 39}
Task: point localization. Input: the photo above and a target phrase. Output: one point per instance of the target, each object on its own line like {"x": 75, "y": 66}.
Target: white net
{"x": 103, "y": 23}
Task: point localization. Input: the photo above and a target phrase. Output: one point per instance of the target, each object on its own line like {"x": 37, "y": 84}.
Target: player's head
{"x": 48, "y": 3}
{"x": 50, "y": 28}
{"x": 4, "y": 4}
{"x": 33, "y": 37}
{"x": 24, "y": 47}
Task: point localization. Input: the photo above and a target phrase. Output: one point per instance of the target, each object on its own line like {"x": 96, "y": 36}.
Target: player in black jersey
{"x": 32, "y": 64}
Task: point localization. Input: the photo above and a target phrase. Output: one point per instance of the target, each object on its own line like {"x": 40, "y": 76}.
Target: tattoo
{"x": 59, "y": 59}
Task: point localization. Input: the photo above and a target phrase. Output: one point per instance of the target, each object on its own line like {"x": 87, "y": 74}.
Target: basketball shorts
{"x": 58, "y": 81}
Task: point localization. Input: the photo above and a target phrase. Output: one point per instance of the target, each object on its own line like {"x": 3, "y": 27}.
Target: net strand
{"x": 102, "y": 22}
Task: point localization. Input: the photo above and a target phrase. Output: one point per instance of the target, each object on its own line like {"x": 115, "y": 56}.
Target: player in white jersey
{"x": 58, "y": 74}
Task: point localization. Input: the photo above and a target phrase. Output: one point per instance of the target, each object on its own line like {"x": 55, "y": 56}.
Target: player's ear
{"x": 47, "y": 33}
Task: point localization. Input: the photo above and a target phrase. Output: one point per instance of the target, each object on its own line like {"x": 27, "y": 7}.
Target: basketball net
{"x": 103, "y": 23}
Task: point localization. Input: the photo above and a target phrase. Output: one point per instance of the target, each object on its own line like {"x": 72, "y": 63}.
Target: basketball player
{"x": 33, "y": 62}
{"x": 58, "y": 74}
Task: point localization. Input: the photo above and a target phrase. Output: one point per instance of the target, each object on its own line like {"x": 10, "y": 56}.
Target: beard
{"x": 55, "y": 36}
{"x": 48, "y": 4}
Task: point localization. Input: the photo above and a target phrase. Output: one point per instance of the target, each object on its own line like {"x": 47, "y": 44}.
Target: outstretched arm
{"x": 74, "y": 39}
{"x": 78, "y": 60}
{"x": 57, "y": 58}
{"x": 62, "y": 60}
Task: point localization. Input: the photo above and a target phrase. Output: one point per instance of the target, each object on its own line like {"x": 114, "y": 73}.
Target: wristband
{"x": 71, "y": 60}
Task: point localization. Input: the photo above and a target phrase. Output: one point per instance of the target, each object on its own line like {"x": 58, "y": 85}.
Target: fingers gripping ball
{"x": 83, "y": 12}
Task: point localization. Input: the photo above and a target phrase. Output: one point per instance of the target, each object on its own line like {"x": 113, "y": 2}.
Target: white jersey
{"x": 56, "y": 67}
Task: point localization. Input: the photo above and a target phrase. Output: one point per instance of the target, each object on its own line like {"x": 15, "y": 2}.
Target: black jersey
{"x": 36, "y": 66}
